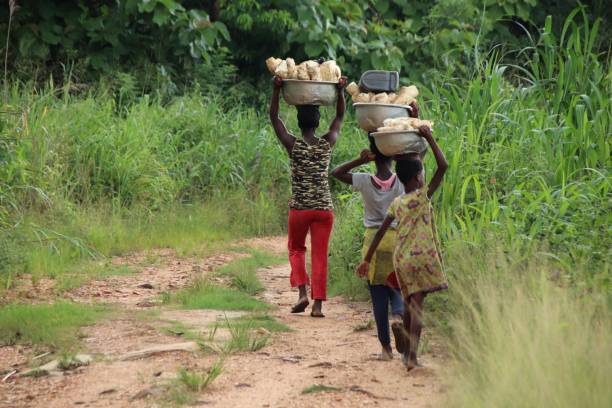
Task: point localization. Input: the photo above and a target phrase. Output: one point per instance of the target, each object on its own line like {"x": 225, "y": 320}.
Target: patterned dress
{"x": 309, "y": 179}
{"x": 416, "y": 258}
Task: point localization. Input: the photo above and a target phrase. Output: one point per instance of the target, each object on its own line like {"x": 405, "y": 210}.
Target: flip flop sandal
{"x": 300, "y": 306}
{"x": 313, "y": 314}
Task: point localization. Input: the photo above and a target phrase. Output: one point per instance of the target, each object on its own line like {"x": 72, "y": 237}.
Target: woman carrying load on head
{"x": 310, "y": 206}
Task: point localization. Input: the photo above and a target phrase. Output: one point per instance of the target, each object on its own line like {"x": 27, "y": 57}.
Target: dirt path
{"x": 317, "y": 352}
{"x": 326, "y": 352}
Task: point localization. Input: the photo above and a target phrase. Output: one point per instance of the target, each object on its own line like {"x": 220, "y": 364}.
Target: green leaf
{"x": 27, "y": 40}
{"x": 161, "y": 16}
{"x": 48, "y": 32}
{"x": 147, "y": 6}
{"x": 210, "y": 36}
{"x": 221, "y": 28}
{"x": 382, "y": 6}
{"x": 376, "y": 44}
{"x": 313, "y": 49}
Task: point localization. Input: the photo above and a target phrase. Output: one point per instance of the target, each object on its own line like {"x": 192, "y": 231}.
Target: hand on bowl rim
{"x": 277, "y": 81}
{"x": 414, "y": 110}
{"x": 425, "y": 131}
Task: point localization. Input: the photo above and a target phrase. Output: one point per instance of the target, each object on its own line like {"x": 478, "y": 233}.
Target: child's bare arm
{"x": 286, "y": 138}
{"x": 342, "y": 172}
{"x": 425, "y": 132}
{"x": 362, "y": 269}
{"x": 334, "y": 128}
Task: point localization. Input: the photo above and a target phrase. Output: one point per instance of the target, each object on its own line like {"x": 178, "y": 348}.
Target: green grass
{"x": 345, "y": 251}
{"x": 80, "y": 274}
{"x": 190, "y": 383}
{"x": 198, "y": 381}
{"x": 515, "y": 330}
{"x": 244, "y": 281}
{"x": 56, "y": 325}
{"x": 73, "y": 246}
{"x": 204, "y": 295}
{"x": 243, "y": 271}
{"x": 257, "y": 321}
{"x": 243, "y": 337}
{"x": 320, "y": 388}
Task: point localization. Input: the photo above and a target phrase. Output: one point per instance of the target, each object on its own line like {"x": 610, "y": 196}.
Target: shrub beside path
{"x": 322, "y": 362}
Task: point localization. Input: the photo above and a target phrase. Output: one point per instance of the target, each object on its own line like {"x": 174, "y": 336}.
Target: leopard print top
{"x": 309, "y": 178}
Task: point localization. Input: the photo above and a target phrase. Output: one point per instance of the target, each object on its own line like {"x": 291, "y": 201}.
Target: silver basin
{"x": 370, "y": 116}
{"x": 399, "y": 142}
{"x": 296, "y": 92}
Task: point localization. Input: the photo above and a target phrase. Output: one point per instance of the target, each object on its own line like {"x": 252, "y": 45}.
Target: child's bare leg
{"x": 415, "y": 307}
{"x": 400, "y": 331}
{"x": 302, "y": 302}
{"x": 406, "y": 317}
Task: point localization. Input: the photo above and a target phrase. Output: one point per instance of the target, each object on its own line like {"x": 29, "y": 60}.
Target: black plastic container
{"x": 379, "y": 81}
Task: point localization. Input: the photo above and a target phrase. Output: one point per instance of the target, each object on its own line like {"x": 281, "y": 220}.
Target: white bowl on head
{"x": 298, "y": 92}
{"x": 370, "y": 116}
{"x": 399, "y": 142}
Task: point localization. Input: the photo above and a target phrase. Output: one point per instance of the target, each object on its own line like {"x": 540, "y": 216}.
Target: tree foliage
{"x": 174, "y": 39}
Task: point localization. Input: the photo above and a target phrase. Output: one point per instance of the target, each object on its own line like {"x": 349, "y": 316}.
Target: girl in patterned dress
{"x": 416, "y": 258}
{"x": 310, "y": 207}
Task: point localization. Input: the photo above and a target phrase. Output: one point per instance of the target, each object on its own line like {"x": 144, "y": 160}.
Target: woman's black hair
{"x": 374, "y": 149}
{"x": 406, "y": 170}
{"x": 308, "y": 116}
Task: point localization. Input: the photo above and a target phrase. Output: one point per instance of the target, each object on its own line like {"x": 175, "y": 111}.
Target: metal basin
{"x": 399, "y": 142}
{"x": 296, "y": 92}
{"x": 370, "y": 116}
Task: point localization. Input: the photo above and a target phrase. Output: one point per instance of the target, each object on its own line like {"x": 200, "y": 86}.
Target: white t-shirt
{"x": 375, "y": 201}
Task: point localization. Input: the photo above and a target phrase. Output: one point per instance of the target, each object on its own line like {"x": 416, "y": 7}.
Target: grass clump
{"x": 244, "y": 338}
{"x": 205, "y": 295}
{"x": 320, "y": 388}
{"x": 197, "y": 381}
{"x": 189, "y": 383}
{"x": 55, "y": 325}
{"x": 243, "y": 271}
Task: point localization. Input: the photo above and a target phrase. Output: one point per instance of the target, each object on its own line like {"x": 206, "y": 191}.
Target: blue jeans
{"x": 381, "y": 296}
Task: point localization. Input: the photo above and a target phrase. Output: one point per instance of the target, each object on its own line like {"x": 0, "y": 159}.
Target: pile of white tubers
{"x": 405, "y": 96}
{"x": 404, "y": 125}
{"x": 306, "y": 71}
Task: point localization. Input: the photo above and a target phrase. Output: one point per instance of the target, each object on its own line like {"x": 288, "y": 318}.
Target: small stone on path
{"x": 108, "y": 391}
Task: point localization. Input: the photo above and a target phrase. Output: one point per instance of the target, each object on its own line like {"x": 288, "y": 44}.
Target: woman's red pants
{"x": 319, "y": 223}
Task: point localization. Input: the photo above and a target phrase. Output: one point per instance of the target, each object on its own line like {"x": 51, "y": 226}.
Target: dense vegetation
{"x": 107, "y": 146}
{"x": 166, "y": 46}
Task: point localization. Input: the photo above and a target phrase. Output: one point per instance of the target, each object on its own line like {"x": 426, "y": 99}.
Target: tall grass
{"x": 520, "y": 339}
